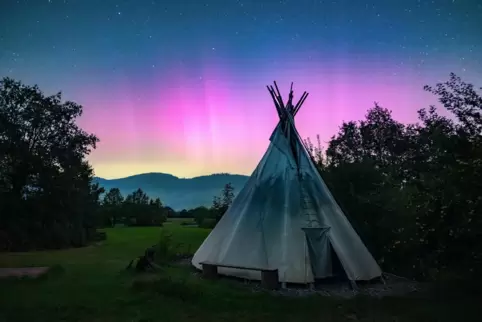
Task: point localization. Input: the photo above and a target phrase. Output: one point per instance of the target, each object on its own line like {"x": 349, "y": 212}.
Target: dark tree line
{"x": 47, "y": 199}
{"x": 47, "y": 196}
{"x": 137, "y": 209}
{"x": 414, "y": 192}
{"x": 208, "y": 217}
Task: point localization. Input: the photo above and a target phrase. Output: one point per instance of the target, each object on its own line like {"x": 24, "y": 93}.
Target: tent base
{"x": 269, "y": 277}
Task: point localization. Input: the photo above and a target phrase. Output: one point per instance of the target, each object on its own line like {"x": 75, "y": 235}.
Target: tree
{"x": 221, "y": 203}
{"x": 316, "y": 153}
{"x": 414, "y": 190}
{"x": 140, "y": 210}
{"x": 448, "y": 189}
{"x": 112, "y": 207}
{"x": 156, "y": 203}
{"x": 200, "y": 215}
{"x": 170, "y": 213}
{"x": 184, "y": 214}
{"x": 138, "y": 197}
{"x": 47, "y": 196}
{"x": 463, "y": 101}
{"x": 227, "y": 195}
{"x": 378, "y": 138}
{"x": 113, "y": 198}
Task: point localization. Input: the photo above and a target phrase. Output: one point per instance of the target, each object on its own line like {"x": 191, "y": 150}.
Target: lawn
{"x": 90, "y": 284}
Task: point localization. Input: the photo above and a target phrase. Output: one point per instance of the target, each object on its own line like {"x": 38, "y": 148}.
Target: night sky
{"x": 180, "y": 86}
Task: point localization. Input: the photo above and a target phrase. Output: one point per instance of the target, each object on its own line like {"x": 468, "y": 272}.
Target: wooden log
{"x": 210, "y": 271}
{"x": 269, "y": 279}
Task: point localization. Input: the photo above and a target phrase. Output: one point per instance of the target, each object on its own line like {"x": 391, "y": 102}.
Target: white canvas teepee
{"x": 285, "y": 218}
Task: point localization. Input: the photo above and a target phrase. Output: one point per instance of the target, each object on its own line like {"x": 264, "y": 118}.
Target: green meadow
{"x": 91, "y": 284}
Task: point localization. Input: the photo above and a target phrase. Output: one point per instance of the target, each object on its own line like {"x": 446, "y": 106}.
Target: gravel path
{"x": 393, "y": 286}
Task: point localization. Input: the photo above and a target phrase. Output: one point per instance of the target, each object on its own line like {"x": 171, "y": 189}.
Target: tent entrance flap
{"x": 320, "y": 251}
{"x": 337, "y": 268}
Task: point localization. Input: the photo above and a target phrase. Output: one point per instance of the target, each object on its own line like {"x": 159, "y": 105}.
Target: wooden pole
{"x": 276, "y": 104}
{"x": 300, "y": 100}
{"x": 279, "y": 95}
{"x": 300, "y": 103}
{"x": 279, "y": 100}
{"x": 289, "y": 105}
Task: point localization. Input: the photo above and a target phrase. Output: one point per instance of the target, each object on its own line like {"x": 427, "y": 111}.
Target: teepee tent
{"x": 286, "y": 219}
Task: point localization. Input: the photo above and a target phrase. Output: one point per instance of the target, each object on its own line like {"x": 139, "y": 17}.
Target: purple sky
{"x": 180, "y": 86}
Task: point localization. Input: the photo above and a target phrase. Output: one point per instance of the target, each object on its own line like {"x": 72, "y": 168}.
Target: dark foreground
{"x": 89, "y": 284}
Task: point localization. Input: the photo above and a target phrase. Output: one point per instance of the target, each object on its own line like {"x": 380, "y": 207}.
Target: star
{"x": 231, "y": 41}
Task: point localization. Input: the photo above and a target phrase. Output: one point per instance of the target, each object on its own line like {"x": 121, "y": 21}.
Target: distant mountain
{"x": 177, "y": 193}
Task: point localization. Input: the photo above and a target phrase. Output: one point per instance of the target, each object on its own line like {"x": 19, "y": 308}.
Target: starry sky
{"x": 179, "y": 86}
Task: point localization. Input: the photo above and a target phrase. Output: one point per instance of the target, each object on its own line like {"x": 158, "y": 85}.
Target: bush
{"x": 167, "y": 251}
{"x": 164, "y": 248}
{"x": 208, "y": 223}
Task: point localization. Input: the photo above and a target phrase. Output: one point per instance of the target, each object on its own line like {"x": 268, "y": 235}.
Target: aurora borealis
{"x": 180, "y": 86}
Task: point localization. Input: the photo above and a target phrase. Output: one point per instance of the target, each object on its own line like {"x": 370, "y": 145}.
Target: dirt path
{"x": 23, "y": 271}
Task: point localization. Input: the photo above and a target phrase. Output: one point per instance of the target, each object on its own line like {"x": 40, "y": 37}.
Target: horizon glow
{"x": 217, "y": 126}
{"x": 180, "y": 87}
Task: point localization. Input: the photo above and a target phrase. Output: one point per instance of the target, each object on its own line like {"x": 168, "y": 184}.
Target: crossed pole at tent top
{"x": 279, "y": 104}
{"x": 286, "y": 111}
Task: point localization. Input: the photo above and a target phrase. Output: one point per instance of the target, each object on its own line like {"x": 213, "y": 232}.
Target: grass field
{"x": 91, "y": 285}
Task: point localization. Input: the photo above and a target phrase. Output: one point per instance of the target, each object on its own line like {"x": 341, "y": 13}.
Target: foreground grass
{"x": 90, "y": 285}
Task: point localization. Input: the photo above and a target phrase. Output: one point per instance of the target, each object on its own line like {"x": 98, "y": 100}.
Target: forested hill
{"x": 177, "y": 193}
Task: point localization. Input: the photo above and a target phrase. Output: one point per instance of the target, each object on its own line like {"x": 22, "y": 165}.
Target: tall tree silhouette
{"x": 415, "y": 189}
{"x": 47, "y": 199}
{"x": 223, "y": 202}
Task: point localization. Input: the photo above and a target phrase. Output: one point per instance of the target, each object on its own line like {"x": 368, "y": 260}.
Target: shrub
{"x": 208, "y": 223}
{"x": 167, "y": 250}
